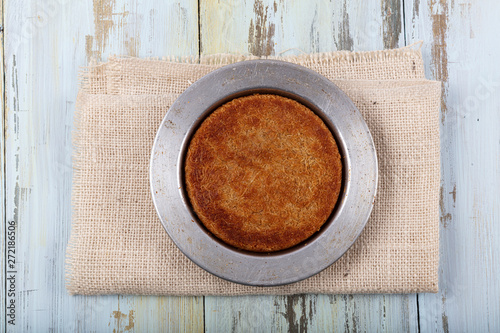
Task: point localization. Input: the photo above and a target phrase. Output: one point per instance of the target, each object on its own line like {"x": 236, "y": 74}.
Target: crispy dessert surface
{"x": 263, "y": 173}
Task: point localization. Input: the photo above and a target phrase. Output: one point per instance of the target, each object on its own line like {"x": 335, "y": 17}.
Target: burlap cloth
{"x": 118, "y": 245}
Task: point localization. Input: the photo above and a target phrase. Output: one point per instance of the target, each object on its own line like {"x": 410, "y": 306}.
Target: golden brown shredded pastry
{"x": 263, "y": 173}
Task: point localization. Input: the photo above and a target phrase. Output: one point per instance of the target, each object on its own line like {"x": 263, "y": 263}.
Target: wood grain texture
{"x": 461, "y": 49}
{"x": 270, "y": 28}
{"x": 315, "y": 313}
{"x": 46, "y": 43}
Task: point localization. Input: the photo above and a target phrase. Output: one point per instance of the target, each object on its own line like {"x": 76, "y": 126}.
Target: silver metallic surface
{"x": 359, "y": 179}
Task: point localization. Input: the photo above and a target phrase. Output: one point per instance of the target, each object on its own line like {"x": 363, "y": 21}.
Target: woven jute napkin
{"x": 117, "y": 244}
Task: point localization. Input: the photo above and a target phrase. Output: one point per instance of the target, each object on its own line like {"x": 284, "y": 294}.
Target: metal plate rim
{"x": 237, "y": 266}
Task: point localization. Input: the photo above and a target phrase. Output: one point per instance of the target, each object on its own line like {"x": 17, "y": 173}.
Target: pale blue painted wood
{"x": 41, "y": 68}
{"x": 461, "y": 49}
{"x": 46, "y": 44}
{"x": 269, "y": 27}
{"x": 315, "y": 313}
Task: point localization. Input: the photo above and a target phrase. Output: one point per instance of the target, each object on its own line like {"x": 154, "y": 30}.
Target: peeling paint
{"x": 118, "y": 315}
{"x": 444, "y": 317}
{"x": 391, "y": 13}
{"x": 441, "y": 200}
{"x": 103, "y": 22}
{"x": 439, "y": 18}
{"x": 466, "y": 15}
{"x": 416, "y": 8}
{"x": 89, "y": 42}
{"x": 445, "y": 323}
{"x": 120, "y": 318}
{"x": 354, "y": 318}
{"x": 234, "y": 323}
{"x": 132, "y": 46}
{"x": 454, "y": 194}
{"x": 261, "y": 35}
{"x": 130, "y": 321}
{"x": 445, "y": 216}
{"x": 307, "y": 312}
{"x": 6, "y": 132}
{"x": 303, "y": 318}
{"x": 445, "y": 219}
{"x": 344, "y": 39}
{"x": 289, "y": 314}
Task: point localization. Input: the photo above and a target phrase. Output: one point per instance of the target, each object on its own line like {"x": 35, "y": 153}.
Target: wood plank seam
{"x": 199, "y": 31}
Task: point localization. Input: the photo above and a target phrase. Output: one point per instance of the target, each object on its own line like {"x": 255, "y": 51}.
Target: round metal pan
{"x": 327, "y": 101}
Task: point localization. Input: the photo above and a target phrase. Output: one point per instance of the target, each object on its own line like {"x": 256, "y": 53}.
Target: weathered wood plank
{"x": 42, "y": 56}
{"x": 272, "y": 28}
{"x": 268, "y": 27}
{"x": 46, "y": 42}
{"x": 316, "y": 313}
{"x": 460, "y": 49}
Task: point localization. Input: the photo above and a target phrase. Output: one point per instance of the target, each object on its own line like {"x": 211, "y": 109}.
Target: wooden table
{"x": 45, "y": 43}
